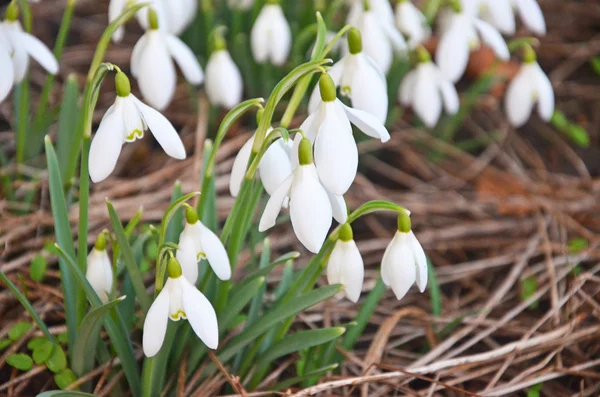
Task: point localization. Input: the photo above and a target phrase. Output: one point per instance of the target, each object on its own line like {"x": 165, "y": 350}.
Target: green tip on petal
{"x": 122, "y": 84}
{"x": 346, "y": 232}
{"x": 174, "y": 268}
{"x": 423, "y": 55}
{"x": 152, "y": 19}
{"x": 327, "y": 87}
{"x": 12, "y": 11}
{"x": 366, "y": 5}
{"x": 191, "y": 216}
{"x": 305, "y": 155}
{"x": 354, "y": 41}
{"x": 404, "y": 224}
{"x": 101, "y": 242}
{"x": 529, "y": 55}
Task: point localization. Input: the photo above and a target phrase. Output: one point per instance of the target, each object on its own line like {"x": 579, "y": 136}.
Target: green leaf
{"x": 175, "y": 226}
{"x": 88, "y": 337}
{"x": 129, "y": 259}
{"x": 18, "y": 330}
{"x": 20, "y": 361}
{"x": 62, "y": 229}
{"x": 57, "y": 360}
{"x": 595, "y": 62}
{"x": 238, "y": 300}
{"x": 316, "y": 373}
{"x": 535, "y": 390}
{"x": 435, "y": 292}
{"x": 578, "y": 244}
{"x": 67, "y": 123}
{"x": 65, "y": 393}
{"x": 36, "y": 342}
{"x": 37, "y": 269}
{"x": 64, "y": 378}
{"x": 528, "y": 289}
{"x": 4, "y": 343}
{"x": 63, "y": 338}
{"x": 364, "y": 314}
{"x": 42, "y": 351}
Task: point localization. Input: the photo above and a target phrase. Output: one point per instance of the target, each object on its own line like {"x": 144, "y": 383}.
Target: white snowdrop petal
{"x": 269, "y": 216}
{"x": 132, "y": 121}
{"x": 353, "y": 271}
{"x": 6, "y": 66}
{"x": 369, "y": 91}
{"x": 115, "y": 8}
{"x": 185, "y": 58}
{"x": 532, "y": 16}
{"x": 163, "y": 131}
{"x": 280, "y": 37}
{"x": 519, "y": 99}
{"x": 155, "y": 324}
{"x": 452, "y": 54}
{"x": 335, "y": 263}
{"x": 427, "y": 102}
{"x": 420, "y": 261}
{"x": 501, "y": 15}
{"x": 400, "y": 266}
{"x": 20, "y": 61}
{"x": 338, "y": 207}
{"x": 138, "y": 49}
{"x": 449, "y": 95}
{"x": 223, "y": 80}
{"x": 275, "y": 166}
{"x": 367, "y": 123}
{"x": 375, "y": 42}
{"x": 545, "y": 93}
{"x": 259, "y": 39}
{"x": 493, "y": 39}
{"x": 240, "y": 166}
{"x": 310, "y": 210}
{"x": 187, "y": 257}
{"x": 156, "y": 73}
{"x": 336, "y": 154}
{"x": 407, "y": 88}
{"x": 106, "y": 145}
{"x": 201, "y": 315}
{"x": 412, "y": 23}
{"x": 99, "y": 273}
{"x": 38, "y": 51}
{"x": 215, "y": 252}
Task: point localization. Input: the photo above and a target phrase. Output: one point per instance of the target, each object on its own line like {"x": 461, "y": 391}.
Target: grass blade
{"x": 67, "y": 123}
{"x": 365, "y": 313}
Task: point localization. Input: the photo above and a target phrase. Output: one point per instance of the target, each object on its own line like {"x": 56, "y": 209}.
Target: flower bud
{"x": 122, "y": 84}
{"x": 354, "y": 41}
{"x": 174, "y": 268}
{"x": 404, "y": 223}
{"x": 346, "y": 233}
{"x": 327, "y": 87}
{"x": 305, "y": 155}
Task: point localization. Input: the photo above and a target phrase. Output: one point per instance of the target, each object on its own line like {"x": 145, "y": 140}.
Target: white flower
{"x": 224, "y": 85}
{"x": 461, "y": 32}
{"x": 427, "y": 91}
{"x": 412, "y": 23}
{"x": 345, "y": 265}
{"x": 311, "y": 205}
{"x": 196, "y": 242}
{"x": 501, "y": 14}
{"x": 16, "y": 46}
{"x": 125, "y": 121}
{"x": 336, "y": 154}
{"x": 380, "y": 36}
{"x": 179, "y": 299}
{"x": 528, "y": 87}
{"x": 243, "y": 5}
{"x": 271, "y": 37}
{"x": 360, "y": 78}
{"x": 403, "y": 263}
{"x": 152, "y": 65}
{"x": 99, "y": 271}
{"x": 275, "y": 166}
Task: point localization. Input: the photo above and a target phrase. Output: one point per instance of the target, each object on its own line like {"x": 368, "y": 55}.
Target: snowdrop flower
{"x": 412, "y": 23}
{"x": 311, "y": 205}
{"x": 243, "y": 5}
{"x": 275, "y": 166}
{"x": 271, "y": 37}
{"x": 152, "y": 64}
{"x": 99, "y": 271}
{"x": 179, "y": 299}
{"x": 501, "y": 14}
{"x": 427, "y": 91}
{"x": 196, "y": 242}
{"x": 336, "y": 155}
{"x": 404, "y": 261}
{"x": 16, "y": 46}
{"x": 345, "y": 265}
{"x": 125, "y": 121}
{"x": 360, "y": 78}
{"x": 461, "y": 32}
{"x": 375, "y": 20}
{"x": 224, "y": 85}
{"x": 528, "y": 87}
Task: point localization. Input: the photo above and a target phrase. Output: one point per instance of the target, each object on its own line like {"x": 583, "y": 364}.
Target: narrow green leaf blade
{"x": 67, "y": 123}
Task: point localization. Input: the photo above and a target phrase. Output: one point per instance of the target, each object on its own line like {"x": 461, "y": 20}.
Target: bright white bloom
{"x": 379, "y": 35}
{"x": 336, "y": 154}
{"x": 153, "y": 67}
{"x": 528, "y": 87}
{"x": 360, "y": 78}
{"x": 16, "y": 47}
{"x": 99, "y": 272}
{"x": 125, "y": 121}
{"x": 427, "y": 91}
{"x": 311, "y": 205}
{"x": 275, "y": 166}
{"x": 243, "y": 5}
{"x": 412, "y": 23}
{"x": 501, "y": 14}
{"x": 462, "y": 31}
{"x": 179, "y": 299}
{"x": 196, "y": 242}
{"x": 345, "y": 265}
{"x": 271, "y": 37}
{"x": 224, "y": 85}
{"x": 404, "y": 262}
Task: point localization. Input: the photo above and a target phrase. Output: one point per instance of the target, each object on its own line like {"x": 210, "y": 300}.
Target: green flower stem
{"x": 271, "y": 138}
{"x": 21, "y": 99}
{"x": 82, "y": 231}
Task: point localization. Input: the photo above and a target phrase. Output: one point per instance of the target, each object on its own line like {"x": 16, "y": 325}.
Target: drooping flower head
{"x": 345, "y": 265}
{"x": 271, "y": 37}
{"x": 224, "y": 85}
{"x": 501, "y": 14}
{"x": 99, "y": 272}
{"x": 412, "y": 23}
